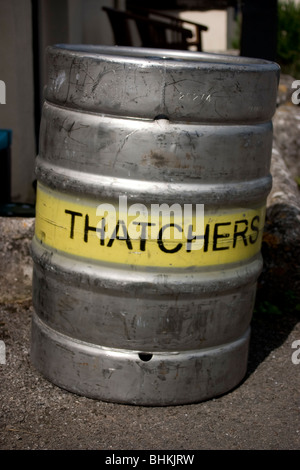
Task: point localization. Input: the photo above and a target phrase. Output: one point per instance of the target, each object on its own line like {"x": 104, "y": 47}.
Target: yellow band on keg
{"x": 136, "y": 235}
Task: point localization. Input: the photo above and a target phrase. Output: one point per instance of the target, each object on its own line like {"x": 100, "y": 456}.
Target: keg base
{"x": 137, "y": 378}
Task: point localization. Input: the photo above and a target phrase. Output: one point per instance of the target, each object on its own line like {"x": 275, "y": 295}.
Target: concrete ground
{"x": 261, "y": 413}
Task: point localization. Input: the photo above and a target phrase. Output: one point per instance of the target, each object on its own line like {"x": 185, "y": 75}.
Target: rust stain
{"x": 270, "y": 239}
{"x": 166, "y": 160}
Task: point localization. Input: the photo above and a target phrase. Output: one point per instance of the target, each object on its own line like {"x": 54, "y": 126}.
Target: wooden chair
{"x": 156, "y": 33}
{"x": 178, "y": 22}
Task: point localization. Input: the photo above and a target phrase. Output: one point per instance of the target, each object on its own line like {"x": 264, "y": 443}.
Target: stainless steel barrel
{"x": 132, "y": 306}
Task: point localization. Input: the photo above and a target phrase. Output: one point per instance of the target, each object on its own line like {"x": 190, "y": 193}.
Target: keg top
{"x": 137, "y": 82}
{"x": 140, "y": 53}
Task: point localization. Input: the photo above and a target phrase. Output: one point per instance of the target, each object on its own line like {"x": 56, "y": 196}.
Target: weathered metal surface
{"x": 146, "y": 320}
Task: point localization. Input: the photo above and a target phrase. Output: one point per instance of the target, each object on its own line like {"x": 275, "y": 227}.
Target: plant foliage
{"x": 288, "y": 38}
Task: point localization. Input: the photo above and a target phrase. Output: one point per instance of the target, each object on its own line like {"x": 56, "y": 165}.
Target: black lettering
{"x": 220, "y": 235}
{"x": 206, "y": 238}
{"x": 144, "y": 233}
{"x": 254, "y": 228}
{"x": 87, "y": 228}
{"x": 73, "y": 215}
{"x": 241, "y": 233}
{"x": 160, "y": 241}
{"x": 190, "y": 239}
{"x": 115, "y": 235}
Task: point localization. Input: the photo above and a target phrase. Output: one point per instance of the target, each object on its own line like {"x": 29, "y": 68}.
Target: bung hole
{"x": 145, "y": 357}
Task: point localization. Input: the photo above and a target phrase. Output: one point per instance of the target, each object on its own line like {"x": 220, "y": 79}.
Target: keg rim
{"x": 157, "y": 56}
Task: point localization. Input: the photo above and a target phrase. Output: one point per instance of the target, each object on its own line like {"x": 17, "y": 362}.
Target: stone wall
{"x": 280, "y": 280}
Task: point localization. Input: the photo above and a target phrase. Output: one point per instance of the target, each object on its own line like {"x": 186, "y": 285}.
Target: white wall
{"x": 18, "y": 112}
{"x": 215, "y": 39}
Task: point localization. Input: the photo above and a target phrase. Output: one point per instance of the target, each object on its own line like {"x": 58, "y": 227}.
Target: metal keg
{"x": 153, "y": 173}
